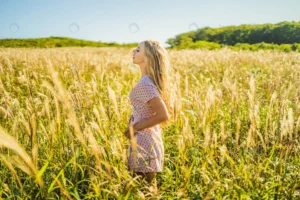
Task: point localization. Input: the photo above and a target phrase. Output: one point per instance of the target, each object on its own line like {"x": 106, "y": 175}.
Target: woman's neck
{"x": 144, "y": 72}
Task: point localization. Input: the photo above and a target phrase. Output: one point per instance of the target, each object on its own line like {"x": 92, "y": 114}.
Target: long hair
{"x": 159, "y": 68}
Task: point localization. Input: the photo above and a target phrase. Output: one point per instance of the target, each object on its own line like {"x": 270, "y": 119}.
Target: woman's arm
{"x": 161, "y": 114}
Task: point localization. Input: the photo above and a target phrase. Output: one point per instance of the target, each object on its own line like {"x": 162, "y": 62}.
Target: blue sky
{"x": 134, "y": 20}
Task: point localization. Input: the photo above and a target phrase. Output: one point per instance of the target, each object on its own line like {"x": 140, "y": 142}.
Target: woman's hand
{"x": 127, "y": 132}
{"x": 158, "y": 106}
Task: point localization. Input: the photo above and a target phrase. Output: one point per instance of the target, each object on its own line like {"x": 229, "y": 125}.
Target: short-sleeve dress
{"x": 148, "y": 156}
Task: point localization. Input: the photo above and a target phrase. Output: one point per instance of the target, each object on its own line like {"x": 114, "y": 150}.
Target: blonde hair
{"x": 159, "y": 68}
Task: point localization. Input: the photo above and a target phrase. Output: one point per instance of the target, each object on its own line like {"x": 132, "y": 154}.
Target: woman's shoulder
{"x": 145, "y": 89}
{"x": 146, "y": 84}
{"x": 147, "y": 80}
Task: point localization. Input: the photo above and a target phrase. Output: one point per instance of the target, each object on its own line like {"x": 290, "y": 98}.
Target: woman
{"x": 150, "y": 105}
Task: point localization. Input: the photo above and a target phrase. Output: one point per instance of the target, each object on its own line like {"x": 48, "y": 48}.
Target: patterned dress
{"x": 146, "y": 154}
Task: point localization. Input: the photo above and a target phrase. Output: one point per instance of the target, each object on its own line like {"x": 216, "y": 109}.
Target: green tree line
{"x": 58, "y": 42}
{"x": 279, "y": 34}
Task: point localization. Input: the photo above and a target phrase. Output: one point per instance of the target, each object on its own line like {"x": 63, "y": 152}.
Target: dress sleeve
{"x": 147, "y": 91}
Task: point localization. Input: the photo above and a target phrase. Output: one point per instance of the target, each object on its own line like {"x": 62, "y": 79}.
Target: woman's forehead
{"x": 141, "y": 45}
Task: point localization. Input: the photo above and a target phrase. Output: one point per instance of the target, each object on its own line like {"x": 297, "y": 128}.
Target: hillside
{"x": 58, "y": 42}
{"x": 283, "y": 35}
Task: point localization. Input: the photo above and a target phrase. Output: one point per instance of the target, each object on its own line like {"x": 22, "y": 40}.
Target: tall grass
{"x": 234, "y": 134}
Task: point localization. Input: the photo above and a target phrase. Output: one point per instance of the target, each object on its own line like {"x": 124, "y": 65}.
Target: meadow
{"x": 234, "y": 133}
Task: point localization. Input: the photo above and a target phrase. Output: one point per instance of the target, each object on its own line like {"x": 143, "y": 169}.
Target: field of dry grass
{"x": 234, "y": 135}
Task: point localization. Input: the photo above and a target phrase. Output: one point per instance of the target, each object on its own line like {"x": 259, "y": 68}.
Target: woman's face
{"x": 139, "y": 54}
